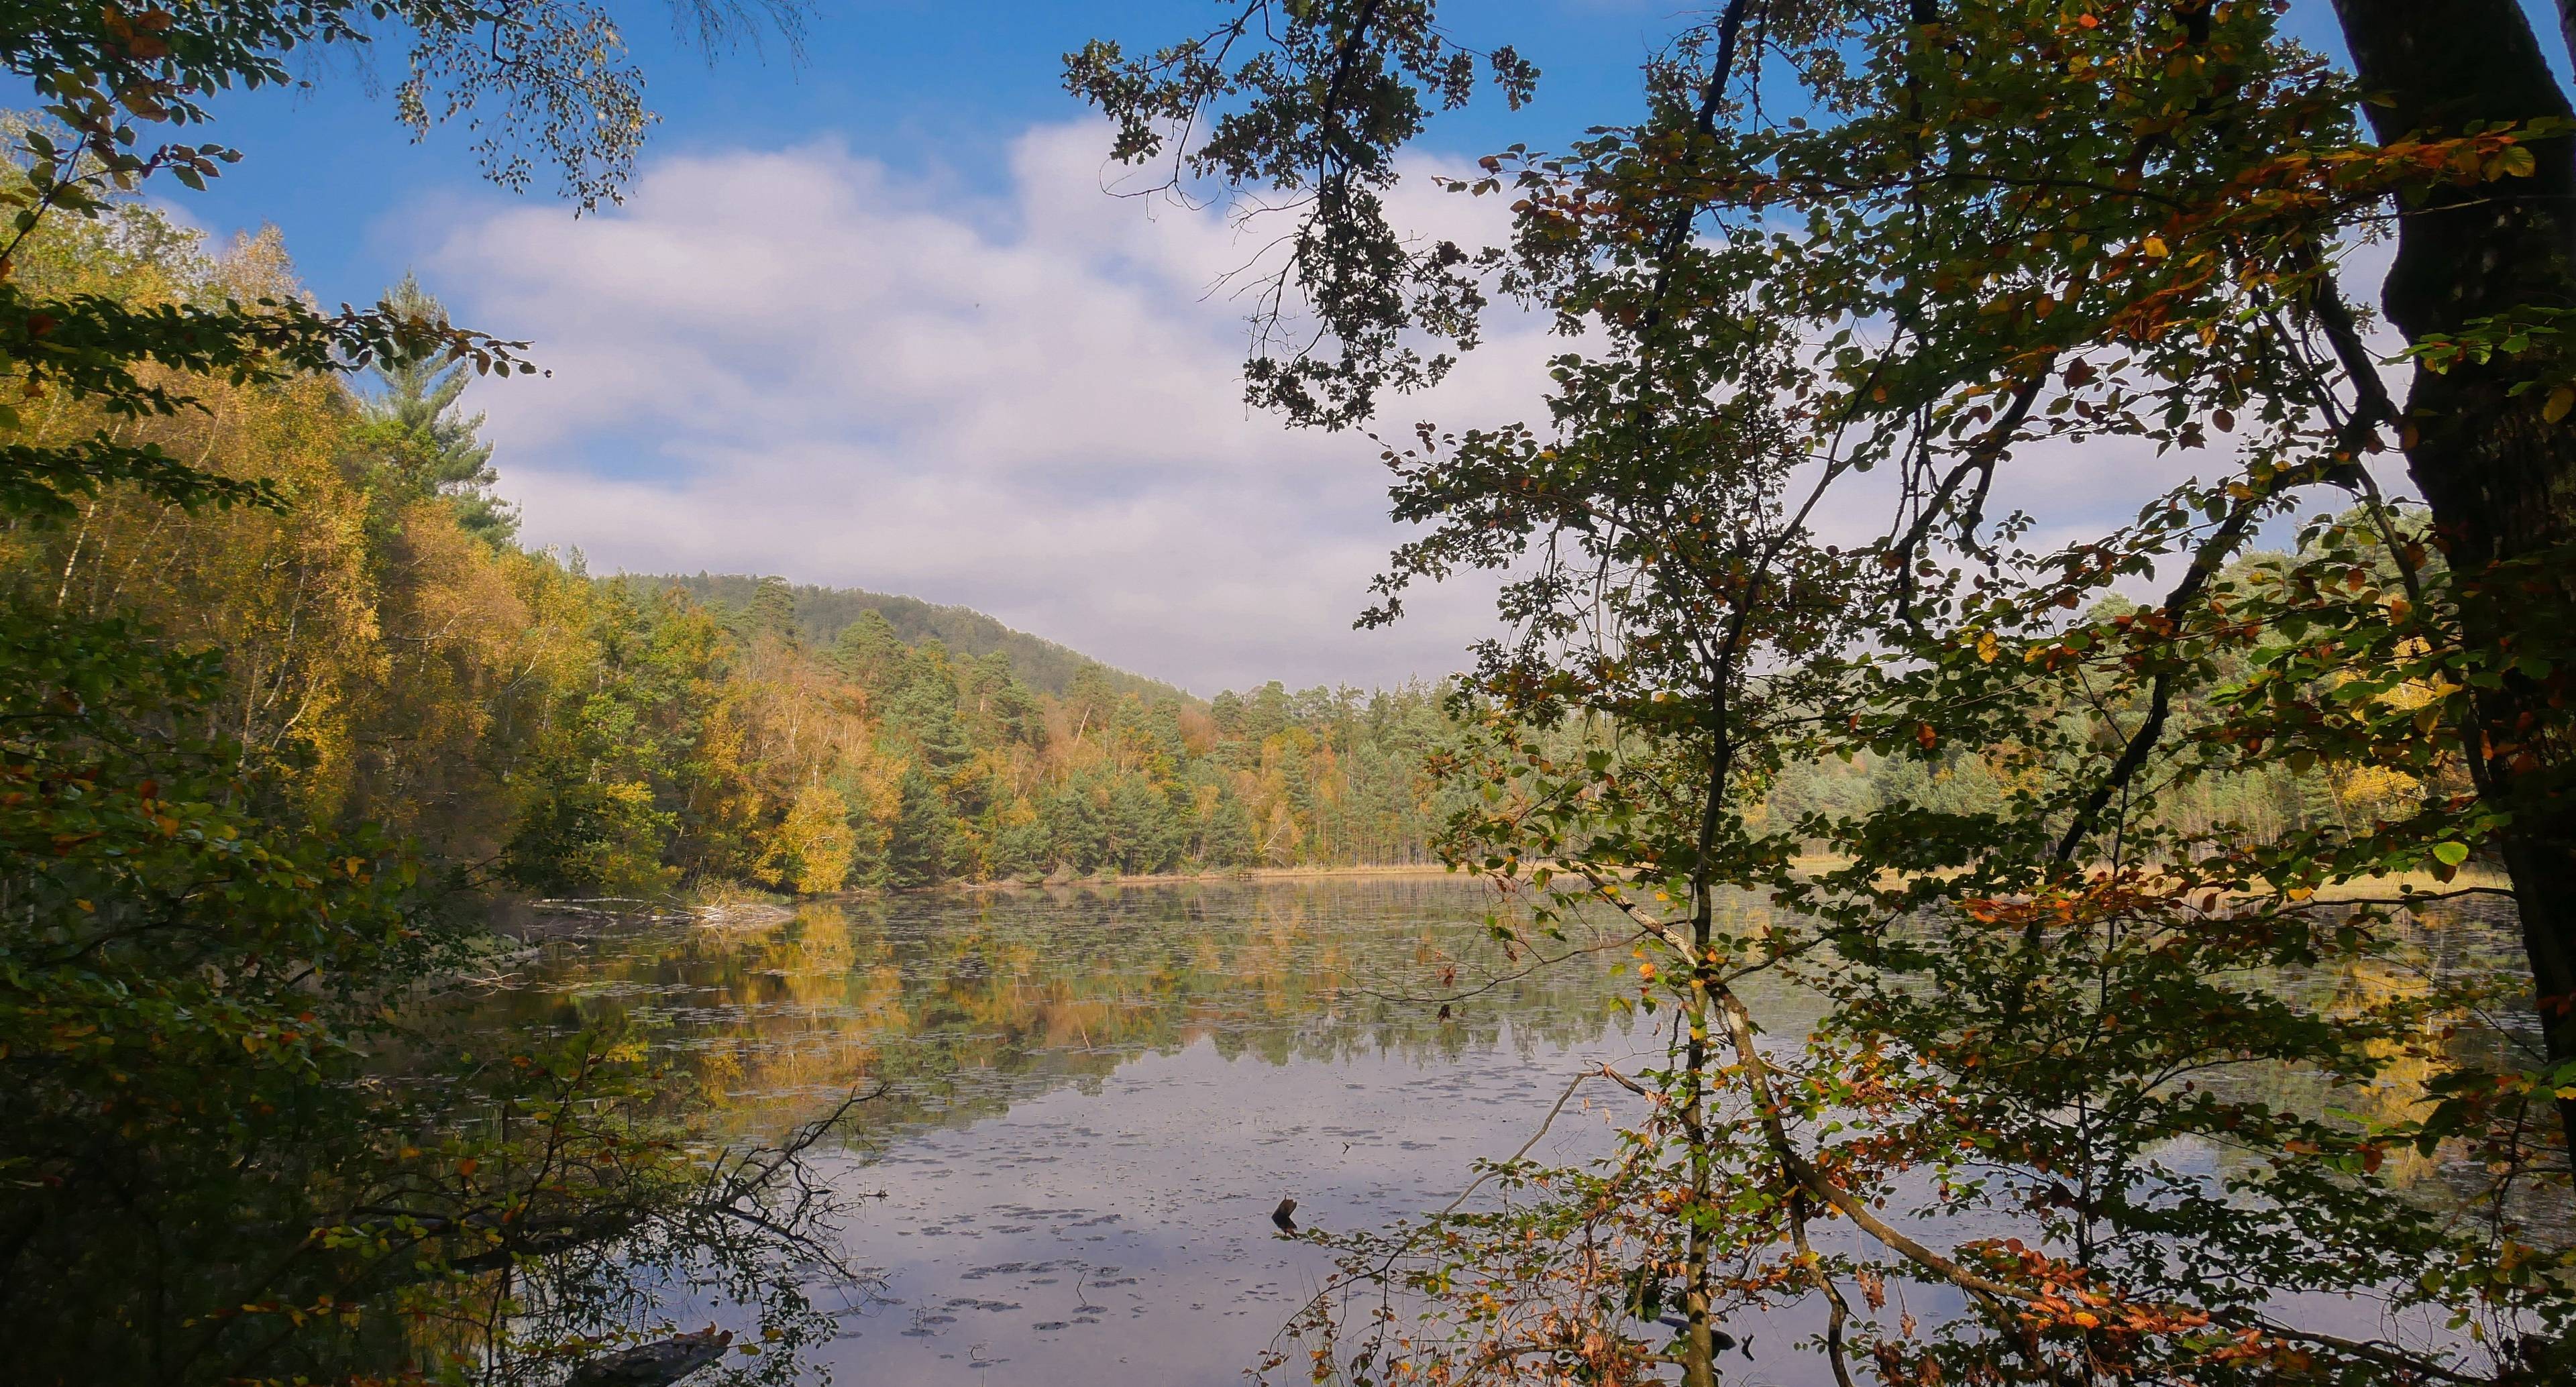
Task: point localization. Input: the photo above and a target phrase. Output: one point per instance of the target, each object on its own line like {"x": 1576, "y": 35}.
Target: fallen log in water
{"x": 656, "y": 1364}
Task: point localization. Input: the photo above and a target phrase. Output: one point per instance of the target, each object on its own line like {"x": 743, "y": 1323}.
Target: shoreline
{"x": 740, "y": 903}
{"x": 1421, "y": 870}
{"x": 750, "y": 903}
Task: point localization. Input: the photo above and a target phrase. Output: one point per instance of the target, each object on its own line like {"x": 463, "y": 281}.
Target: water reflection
{"x": 966, "y": 1005}
{"x": 1095, "y": 1096}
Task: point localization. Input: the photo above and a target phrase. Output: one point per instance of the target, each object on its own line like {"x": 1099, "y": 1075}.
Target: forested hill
{"x": 379, "y": 650}
{"x": 820, "y": 613}
{"x": 384, "y": 652}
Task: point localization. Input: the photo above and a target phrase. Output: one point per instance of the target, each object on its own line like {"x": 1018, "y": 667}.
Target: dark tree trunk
{"x": 2500, "y": 479}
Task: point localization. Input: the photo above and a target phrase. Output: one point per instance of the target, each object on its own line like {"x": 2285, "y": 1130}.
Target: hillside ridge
{"x": 821, "y": 612}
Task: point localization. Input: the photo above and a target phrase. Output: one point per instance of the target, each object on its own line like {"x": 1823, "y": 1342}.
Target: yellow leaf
{"x": 1986, "y": 646}
{"x": 2561, "y": 400}
{"x": 2154, "y": 246}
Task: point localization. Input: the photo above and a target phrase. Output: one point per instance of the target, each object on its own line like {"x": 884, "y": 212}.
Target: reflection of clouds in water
{"x": 1125, "y": 1237}
{"x": 1099, "y": 1095}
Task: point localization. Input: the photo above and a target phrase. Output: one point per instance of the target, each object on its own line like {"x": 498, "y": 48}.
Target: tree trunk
{"x": 657, "y": 1364}
{"x": 2500, "y": 479}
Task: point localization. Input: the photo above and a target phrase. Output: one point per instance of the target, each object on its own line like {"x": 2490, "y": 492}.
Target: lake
{"x": 1095, "y": 1096}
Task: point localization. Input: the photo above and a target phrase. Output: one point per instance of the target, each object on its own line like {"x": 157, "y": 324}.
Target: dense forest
{"x": 393, "y": 650}
{"x": 403, "y": 660}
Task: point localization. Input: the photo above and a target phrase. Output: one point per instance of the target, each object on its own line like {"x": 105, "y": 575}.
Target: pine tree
{"x": 926, "y": 708}
{"x": 1022, "y": 850}
{"x": 1144, "y": 835}
{"x": 434, "y": 447}
{"x": 1075, "y": 828}
{"x": 771, "y": 611}
{"x": 1225, "y": 831}
{"x": 917, "y": 849}
{"x": 869, "y": 651}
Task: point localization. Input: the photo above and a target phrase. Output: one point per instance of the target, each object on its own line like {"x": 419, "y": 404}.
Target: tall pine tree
{"x": 434, "y": 446}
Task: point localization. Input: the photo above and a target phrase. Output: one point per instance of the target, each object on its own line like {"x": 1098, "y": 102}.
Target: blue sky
{"x": 926, "y": 87}
{"x": 938, "y": 89}
{"x": 868, "y": 319}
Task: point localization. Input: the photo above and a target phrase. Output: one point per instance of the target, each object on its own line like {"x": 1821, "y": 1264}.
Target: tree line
{"x": 400, "y": 660}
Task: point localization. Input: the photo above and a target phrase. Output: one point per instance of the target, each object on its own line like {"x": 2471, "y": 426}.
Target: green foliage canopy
{"x": 1890, "y": 255}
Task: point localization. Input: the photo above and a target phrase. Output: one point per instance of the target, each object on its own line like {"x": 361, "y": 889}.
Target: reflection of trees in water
{"x": 968, "y": 1003}
{"x": 2454, "y": 945}
{"x": 2451, "y": 945}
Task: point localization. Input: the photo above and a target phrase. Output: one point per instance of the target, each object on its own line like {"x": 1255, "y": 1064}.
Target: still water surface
{"x": 1096, "y": 1096}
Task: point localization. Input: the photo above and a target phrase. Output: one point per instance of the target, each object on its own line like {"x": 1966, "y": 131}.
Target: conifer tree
{"x": 917, "y": 850}
{"x": 869, "y": 651}
{"x": 1225, "y": 832}
{"x": 772, "y": 610}
{"x": 419, "y": 419}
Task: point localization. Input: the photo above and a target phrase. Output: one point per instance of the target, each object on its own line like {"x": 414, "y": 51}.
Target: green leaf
{"x": 2451, "y": 854}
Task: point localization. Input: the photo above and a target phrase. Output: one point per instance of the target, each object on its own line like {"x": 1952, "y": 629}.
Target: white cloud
{"x": 797, "y": 362}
